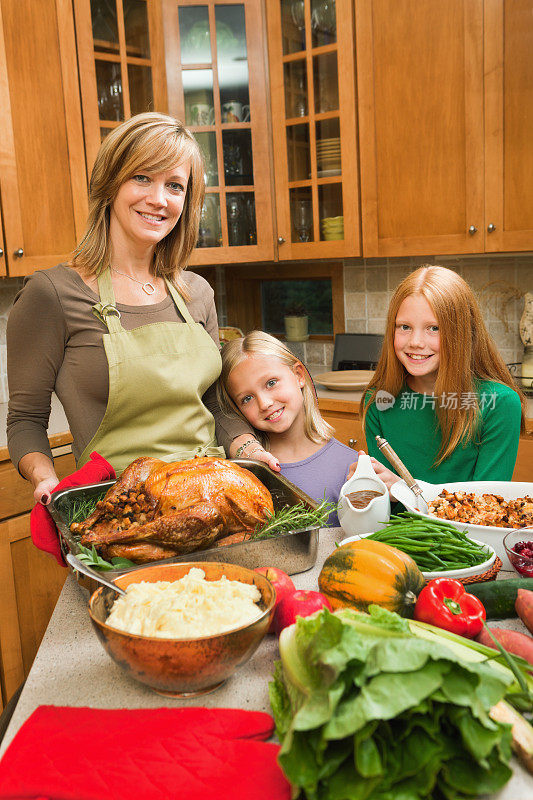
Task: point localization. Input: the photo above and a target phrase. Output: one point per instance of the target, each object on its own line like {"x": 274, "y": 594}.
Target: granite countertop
{"x": 72, "y": 668}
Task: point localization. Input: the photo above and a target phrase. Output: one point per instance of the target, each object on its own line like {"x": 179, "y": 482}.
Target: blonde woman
{"x": 441, "y": 394}
{"x": 264, "y": 382}
{"x": 122, "y": 334}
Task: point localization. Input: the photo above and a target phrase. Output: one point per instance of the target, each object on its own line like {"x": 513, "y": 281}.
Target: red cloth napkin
{"x": 43, "y": 528}
{"x": 91, "y": 754}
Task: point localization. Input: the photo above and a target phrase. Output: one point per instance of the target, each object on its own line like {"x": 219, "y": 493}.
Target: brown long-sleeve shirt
{"x": 54, "y": 343}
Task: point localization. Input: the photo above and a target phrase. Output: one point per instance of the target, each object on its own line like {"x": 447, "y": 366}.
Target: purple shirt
{"x": 322, "y": 474}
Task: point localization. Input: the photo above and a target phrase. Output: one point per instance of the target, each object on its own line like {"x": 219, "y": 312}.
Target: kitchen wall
{"x": 368, "y": 286}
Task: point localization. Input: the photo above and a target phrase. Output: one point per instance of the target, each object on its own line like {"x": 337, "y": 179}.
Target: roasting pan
{"x": 291, "y": 552}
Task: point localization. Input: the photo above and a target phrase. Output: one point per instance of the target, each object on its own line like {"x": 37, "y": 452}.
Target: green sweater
{"x": 410, "y": 426}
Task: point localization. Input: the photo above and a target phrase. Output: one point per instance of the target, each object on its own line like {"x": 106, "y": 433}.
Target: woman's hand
{"x": 39, "y": 470}
{"x": 382, "y": 472}
{"x": 249, "y": 447}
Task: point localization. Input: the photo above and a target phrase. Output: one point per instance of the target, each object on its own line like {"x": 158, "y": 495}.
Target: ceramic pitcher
{"x": 371, "y": 518}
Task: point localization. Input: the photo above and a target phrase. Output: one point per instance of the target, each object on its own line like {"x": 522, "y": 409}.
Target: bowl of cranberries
{"x": 519, "y": 548}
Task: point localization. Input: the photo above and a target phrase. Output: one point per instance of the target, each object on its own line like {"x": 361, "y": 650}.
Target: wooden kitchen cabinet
{"x": 203, "y": 62}
{"x": 121, "y": 61}
{"x": 30, "y": 580}
{"x": 446, "y": 157}
{"x": 343, "y": 416}
{"x": 313, "y": 100}
{"x": 508, "y": 125}
{"x": 420, "y": 84}
{"x": 215, "y": 58}
{"x": 42, "y": 163}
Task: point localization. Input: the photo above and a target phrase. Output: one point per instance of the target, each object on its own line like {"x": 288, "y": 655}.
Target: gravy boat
{"x": 356, "y": 521}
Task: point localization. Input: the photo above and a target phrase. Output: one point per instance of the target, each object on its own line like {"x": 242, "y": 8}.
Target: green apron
{"x": 158, "y": 374}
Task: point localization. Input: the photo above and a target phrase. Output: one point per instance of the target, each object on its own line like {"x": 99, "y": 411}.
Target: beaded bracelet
{"x": 242, "y": 448}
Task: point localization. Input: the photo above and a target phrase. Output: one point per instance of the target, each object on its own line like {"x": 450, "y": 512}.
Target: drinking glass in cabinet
{"x": 109, "y": 90}
{"x": 136, "y": 28}
{"x": 302, "y": 218}
{"x": 104, "y": 23}
{"x": 295, "y": 80}
{"x": 209, "y": 232}
{"x": 326, "y": 82}
{"x": 198, "y": 94}
{"x": 323, "y": 22}
{"x": 236, "y": 221}
{"x": 298, "y": 156}
{"x": 237, "y": 152}
{"x": 195, "y": 35}
{"x": 293, "y": 25}
{"x": 208, "y": 146}
{"x": 251, "y": 225}
{"x": 140, "y": 82}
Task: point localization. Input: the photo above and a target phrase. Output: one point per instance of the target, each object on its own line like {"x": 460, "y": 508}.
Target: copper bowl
{"x": 182, "y": 667}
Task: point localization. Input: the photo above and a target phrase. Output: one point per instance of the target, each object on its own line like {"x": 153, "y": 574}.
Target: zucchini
{"x": 499, "y": 597}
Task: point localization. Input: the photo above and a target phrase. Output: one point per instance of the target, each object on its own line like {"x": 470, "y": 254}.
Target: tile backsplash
{"x": 498, "y": 281}
{"x": 368, "y": 286}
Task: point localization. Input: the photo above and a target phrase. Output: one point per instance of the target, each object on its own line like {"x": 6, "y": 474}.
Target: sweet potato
{"x": 524, "y": 607}
{"x": 521, "y": 644}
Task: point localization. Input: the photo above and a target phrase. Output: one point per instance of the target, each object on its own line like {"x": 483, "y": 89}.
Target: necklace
{"x": 147, "y": 287}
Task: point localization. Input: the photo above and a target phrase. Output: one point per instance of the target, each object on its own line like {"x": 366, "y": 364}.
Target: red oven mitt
{"x": 43, "y": 529}
{"x": 196, "y": 753}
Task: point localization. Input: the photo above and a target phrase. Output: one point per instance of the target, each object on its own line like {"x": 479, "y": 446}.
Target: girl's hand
{"x": 387, "y": 476}
{"x": 253, "y": 449}
{"x": 382, "y": 472}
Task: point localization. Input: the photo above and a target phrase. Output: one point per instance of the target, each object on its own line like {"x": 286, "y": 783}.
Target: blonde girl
{"x": 441, "y": 394}
{"x": 265, "y": 384}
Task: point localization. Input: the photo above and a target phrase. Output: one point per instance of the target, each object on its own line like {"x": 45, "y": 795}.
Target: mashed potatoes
{"x": 187, "y": 608}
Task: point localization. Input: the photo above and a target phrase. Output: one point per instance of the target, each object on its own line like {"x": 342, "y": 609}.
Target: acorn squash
{"x": 365, "y": 571}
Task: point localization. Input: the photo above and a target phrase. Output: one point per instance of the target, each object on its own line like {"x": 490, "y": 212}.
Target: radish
{"x": 524, "y": 607}
{"x": 521, "y": 644}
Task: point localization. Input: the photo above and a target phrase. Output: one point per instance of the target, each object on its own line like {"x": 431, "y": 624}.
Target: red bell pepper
{"x": 445, "y": 604}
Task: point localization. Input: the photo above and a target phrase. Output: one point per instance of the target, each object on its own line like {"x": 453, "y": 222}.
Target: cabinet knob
{"x": 491, "y": 228}
{"x": 281, "y": 240}
{"x": 1, "y": 253}
{"x": 352, "y": 443}
{"x": 19, "y": 253}
{"x": 472, "y": 230}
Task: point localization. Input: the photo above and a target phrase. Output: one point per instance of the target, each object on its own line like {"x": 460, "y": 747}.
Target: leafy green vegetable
{"x": 292, "y": 518}
{"x": 368, "y": 710}
{"x": 90, "y": 557}
{"x": 80, "y": 508}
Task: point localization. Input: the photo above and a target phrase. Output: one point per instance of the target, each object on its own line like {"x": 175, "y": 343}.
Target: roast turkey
{"x": 157, "y": 510}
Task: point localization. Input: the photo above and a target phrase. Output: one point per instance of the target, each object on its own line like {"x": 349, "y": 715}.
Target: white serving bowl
{"x": 467, "y": 572}
{"x": 509, "y": 490}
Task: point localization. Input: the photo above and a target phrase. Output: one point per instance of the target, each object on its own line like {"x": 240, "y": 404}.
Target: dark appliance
{"x": 356, "y": 350}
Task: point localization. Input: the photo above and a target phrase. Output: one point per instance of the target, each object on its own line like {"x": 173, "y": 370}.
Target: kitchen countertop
{"x": 72, "y": 668}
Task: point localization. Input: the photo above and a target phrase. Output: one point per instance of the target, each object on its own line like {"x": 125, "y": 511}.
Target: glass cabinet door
{"x": 214, "y": 56}
{"x": 314, "y": 127}
{"x": 121, "y": 63}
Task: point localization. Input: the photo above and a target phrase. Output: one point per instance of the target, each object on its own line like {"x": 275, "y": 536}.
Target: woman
{"x": 442, "y": 395}
{"x": 126, "y": 339}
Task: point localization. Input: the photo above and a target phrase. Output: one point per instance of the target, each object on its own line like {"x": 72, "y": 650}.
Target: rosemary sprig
{"x": 80, "y": 508}
{"x": 292, "y": 518}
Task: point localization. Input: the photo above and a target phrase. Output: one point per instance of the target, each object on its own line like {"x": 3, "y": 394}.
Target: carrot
{"x": 521, "y": 644}
{"x": 524, "y": 607}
